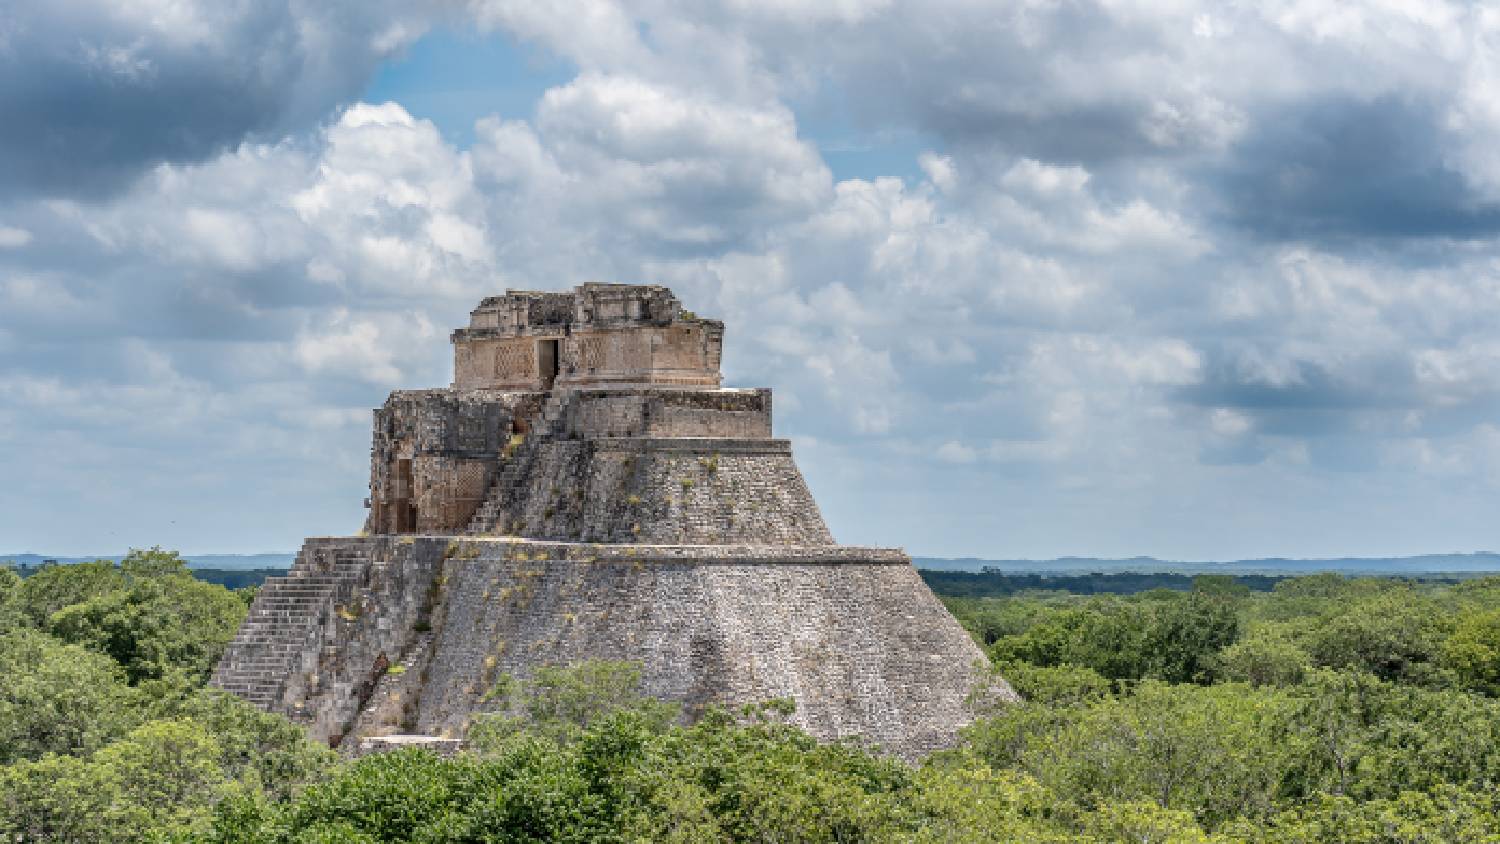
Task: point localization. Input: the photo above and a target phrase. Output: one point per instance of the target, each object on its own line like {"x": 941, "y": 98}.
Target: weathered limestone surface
{"x": 597, "y": 334}
{"x": 854, "y": 638}
{"x": 657, "y": 412}
{"x": 434, "y": 455}
{"x": 587, "y": 490}
{"x": 851, "y": 635}
{"x": 691, "y": 491}
{"x": 318, "y": 640}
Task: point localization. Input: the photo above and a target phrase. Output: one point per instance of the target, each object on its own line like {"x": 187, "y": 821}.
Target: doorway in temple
{"x": 546, "y": 358}
{"x": 405, "y": 505}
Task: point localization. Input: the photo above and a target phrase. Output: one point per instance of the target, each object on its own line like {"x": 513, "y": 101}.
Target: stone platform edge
{"x": 694, "y": 445}
{"x": 540, "y": 550}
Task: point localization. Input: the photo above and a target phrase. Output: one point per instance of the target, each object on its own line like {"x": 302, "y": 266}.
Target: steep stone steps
{"x": 286, "y": 613}
{"x": 513, "y": 475}
{"x": 552, "y": 413}
{"x": 515, "y": 472}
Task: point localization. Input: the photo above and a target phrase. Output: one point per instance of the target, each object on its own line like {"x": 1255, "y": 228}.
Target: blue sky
{"x": 454, "y": 78}
{"x": 1195, "y": 280}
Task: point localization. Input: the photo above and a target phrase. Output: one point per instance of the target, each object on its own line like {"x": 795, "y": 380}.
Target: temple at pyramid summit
{"x": 587, "y": 489}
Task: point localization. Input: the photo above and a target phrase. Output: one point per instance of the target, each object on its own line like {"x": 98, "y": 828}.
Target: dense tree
{"x": 53, "y": 587}
{"x": 1185, "y": 635}
{"x": 1393, "y": 635}
{"x": 1442, "y": 816}
{"x": 958, "y": 797}
{"x": 88, "y": 755}
{"x": 1171, "y": 636}
{"x": 1268, "y": 656}
{"x": 157, "y": 624}
{"x": 58, "y": 698}
{"x": 1472, "y": 652}
{"x": 1327, "y": 710}
{"x": 56, "y": 798}
{"x": 265, "y": 753}
{"x": 161, "y": 777}
{"x": 1055, "y": 685}
{"x": 1219, "y": 751}
{"x": 561, "y": 701}
{"x": 10, "y": 587}
{"x": 622, "y": 778}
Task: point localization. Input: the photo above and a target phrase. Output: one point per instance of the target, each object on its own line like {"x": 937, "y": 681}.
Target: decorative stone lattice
{"x": 590, "y": 352}
{"x": 515, "y": 359}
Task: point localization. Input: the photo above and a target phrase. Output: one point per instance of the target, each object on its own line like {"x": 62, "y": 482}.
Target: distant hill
{"x": 1481, "y": 561}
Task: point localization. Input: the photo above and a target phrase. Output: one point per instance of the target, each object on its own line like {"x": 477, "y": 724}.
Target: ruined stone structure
{"x": 586, "y": 489}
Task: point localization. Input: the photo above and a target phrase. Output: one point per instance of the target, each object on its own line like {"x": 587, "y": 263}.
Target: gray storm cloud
{"x": 96, "y": 93}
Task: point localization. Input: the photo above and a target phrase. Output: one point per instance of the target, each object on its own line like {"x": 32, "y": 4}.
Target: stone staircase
{"x": 516, "y": 471}
{"x": 396, "y": 687}
{"x": 283, "y": 622}
{"x": 513, "y": 475}
{"x": 552, "y": 413}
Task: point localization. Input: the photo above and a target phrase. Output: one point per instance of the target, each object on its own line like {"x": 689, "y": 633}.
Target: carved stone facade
{"x": 599, "y": 334}
{"x": 434, "y": 454}
{"x": 586, "y": 489}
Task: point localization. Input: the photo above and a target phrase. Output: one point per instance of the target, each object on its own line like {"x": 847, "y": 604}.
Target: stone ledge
{"x": 511, "y": 547}
{"x": 692, "y": 444}
{"x": 648, "y": 390}
{"x": 385, "y": 744}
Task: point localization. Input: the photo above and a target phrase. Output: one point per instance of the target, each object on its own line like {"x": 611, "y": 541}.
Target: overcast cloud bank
{"x": 1182, "y": 279}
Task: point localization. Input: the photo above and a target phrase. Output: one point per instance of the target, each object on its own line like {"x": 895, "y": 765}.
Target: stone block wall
{"x": 647, "y": 412}
{"x": 602, "y": 334}
{"x": 501, "y": 363}
{"x": 620, "y": 464}
{"x": 318, "y": 641}
{"x": 699, "y": 491}
{"x": 520, "y": 309}
{"x": 851, "y": 635}
{"x": 435, "y": 453}
{"x": 856, "y": 640}
{"x": 681, "y": 354}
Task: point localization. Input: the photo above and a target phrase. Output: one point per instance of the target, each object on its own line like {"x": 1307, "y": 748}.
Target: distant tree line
{"x": 228, "y": 578}
{"x": 992, "y": 583}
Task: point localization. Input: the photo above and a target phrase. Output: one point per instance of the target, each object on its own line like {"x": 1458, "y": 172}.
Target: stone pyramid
{"x": 586, "y": 489}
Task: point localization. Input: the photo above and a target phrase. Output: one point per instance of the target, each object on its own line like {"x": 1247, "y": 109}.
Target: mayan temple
{"x": 586, "y": 489}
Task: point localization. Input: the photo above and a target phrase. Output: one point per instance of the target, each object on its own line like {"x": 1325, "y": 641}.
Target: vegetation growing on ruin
{"x": 1327, "y": 709}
